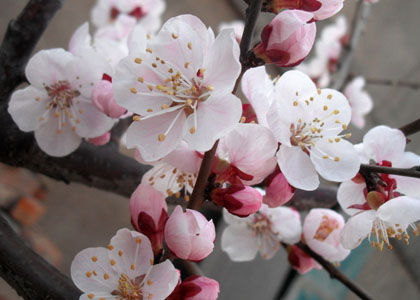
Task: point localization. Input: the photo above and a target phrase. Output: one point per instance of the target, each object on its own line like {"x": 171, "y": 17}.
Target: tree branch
{"x": 28, "y": 273}
{"x": 409, "y": 172}
{"x": 335, "y": 273}
{"x": 357, "y": 28}
{"x": 411, "y": 128}
{"x": 394, "y": 83}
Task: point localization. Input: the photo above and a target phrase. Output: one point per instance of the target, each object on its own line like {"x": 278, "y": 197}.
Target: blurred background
{"x": 59, "y": 220}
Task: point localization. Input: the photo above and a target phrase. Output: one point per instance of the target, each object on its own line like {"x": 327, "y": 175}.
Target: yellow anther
{"x": 94, "y": 258}
{"x": 337, "y": 139}
{"x": 136, "y": 118}
{"x": 149, "y": 110}
{"x": 243, "y": 119}
{"x": 120, "y": 253}
{"x": 189, "y": 45}
{"x": 186, "y": 65}
{"x": 161, "y": 137}
{"x": 88, "y": 274}
{"x": 106, "y": 276}
{"x": 150, "y": 87}
{"x": 174, "y": 36}
{"x": 138, "y": 60}
{"x": 154, "y": 65}
{"x": 295, "y": 103}
{"x": 91, "y": 296}
{"x": 110, "y": 247}
{"x": 149, "y": 50}
{"x": 140, "y": 79}
{"x": 133, "y": 90}
{"x": 132, "y": 267}
{"x": 344, "y": 126}
{"x": 325, "y": 107}
{"x": 112, "y": 262}
{"x": 348, "y": 135}
{"x": 138, "y": 240}
{"x": 164, "y": 106}
{"x": 171, "y": 70}
{"x": 318, "y": 91}
{"x": 329, "y": 96}
{"x": 336, "y": 112}
{"x": 336, "y": 158}
{"x": 192, "y": 130}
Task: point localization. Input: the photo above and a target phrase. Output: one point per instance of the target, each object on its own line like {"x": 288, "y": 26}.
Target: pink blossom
{"x": 238, "y": 199}
{"x": 100, "y": 140}
{"x": 148, "y": 212}
{"x": 322, "y": 9}
{"x": 278, "y": 191}
{"x": 179, "y": 83}
{"x": 189, "y": 235}
{"x": 301, "y": 261}
{"x": 103, "y": 99}
{"x": 196, "y": 288}
{"x": 261, "y": 232}
{"x": 288, "y": 39}
{"x": 246, "y": 155}
{"x": 322, "y": 232}
{"x": 124, "y": 269}
{"x": 237, "y": 26}
{"x": 57, "y": 104}
{"x": 328, "y": 9}
{"x": 360, "y": 101}
{"x": 146, "y": 12}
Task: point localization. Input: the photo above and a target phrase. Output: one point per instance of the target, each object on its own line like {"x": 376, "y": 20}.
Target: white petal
{"x": 80, "y": 40}
{"x": 350, "y": 193}
{"x": 407, "y": 185}
{"x": 26, "y": 106}
{"x": 161, "y": 281}
{"x": 357, "y": 229}
{"x": 286, "y": 222}
{"x": 89, "y": 262}
{"x": 232, "y": 219}
{"x": 144, "y": 135}
{"x": 215, "y": 117}
{"x": 293, "y": 82}
{"x": 342, "y": 163}
{"x": 132, "y": 253}
{"x": 297, "y": 168}
{"x": 55, "y": 142}
{"x": 239, "y": 243}
{"x": 400, "y": 210}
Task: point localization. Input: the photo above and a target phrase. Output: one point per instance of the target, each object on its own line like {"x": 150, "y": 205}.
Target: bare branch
{"x": 409, "y": 172}
{"x": 411, "y": 128}
{"x": 28, "y": 273}
{"x": 393, "y": 83}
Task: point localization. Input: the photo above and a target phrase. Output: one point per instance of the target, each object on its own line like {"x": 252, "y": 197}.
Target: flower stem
{"x": 411, "y": 128}
{"x": 409, "y": 172}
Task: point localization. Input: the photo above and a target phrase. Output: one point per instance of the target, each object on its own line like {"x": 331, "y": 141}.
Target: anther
{"x": 138, "y": 60}
{"x": 161, "y": 137}
{"x": 133, "y": 90}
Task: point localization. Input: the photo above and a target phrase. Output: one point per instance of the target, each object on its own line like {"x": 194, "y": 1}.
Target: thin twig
{"x": 393, "y": 83}
{"x": 358, "y": 25}
{"x": 28, "y": 273}
{"x": 409, "y": 172}
{"x": 336, "y": 273}
{"x": 411, "y": 128}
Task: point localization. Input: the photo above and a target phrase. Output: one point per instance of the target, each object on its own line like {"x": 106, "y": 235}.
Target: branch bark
{"x": 411, "y": 128}
{"x": 28, "y": 273}
{"x": 409, "y": 172}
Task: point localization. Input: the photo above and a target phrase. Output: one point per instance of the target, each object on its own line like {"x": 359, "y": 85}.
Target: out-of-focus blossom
{"x": 288, "y": 39}
{"x": 57, "y": 104}
{"x": 301, "y": 261}
{"x": 196, "y": 288}
{"x": 238, "y": 199}
{"x": 246, "y": 154}
{"x": 391, "y": 209}
{"x": 101, "y": 140}
{"x": 189, "y": 235}
{"x": 307, "y": 122}
{"x": 179, "y": 84}
{"x": 237, "y": 26}
{"x": 278, "y": 190}
{"x": 261, "y": 232}
{"x": 124, "y": 269}
{"x": 148, "y": 212}
{"x": 322, "y": 233}
{"x": 360, "y": 101}
{"x": 146, "y": 12}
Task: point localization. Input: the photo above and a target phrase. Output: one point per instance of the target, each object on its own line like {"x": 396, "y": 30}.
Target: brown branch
{"x": 358, "y": 25}
{"x": 409, "y": 172}
{"x": 335, "y": 273}
{"x": 411, "y": 128}
{"x": 28, "y": 273}
{"x": 393, "y": 83}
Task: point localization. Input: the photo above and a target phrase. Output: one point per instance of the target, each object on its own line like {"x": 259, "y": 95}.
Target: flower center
{"x": 327, "y": 226}
{"x": 128, "y": 289}
{"x": 61, "y": 95}
{"x": 261, "y": 225}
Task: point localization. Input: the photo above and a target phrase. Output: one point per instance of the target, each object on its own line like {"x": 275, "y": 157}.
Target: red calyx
{"x": 137, "y": 13}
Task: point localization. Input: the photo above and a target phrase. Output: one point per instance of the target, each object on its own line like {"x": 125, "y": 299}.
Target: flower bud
{"x": 278, "y": 191}
{"x": 103, "y": 99}
{"x": 148, "y": 211}
{"x": 288, "y": 39}
{"x": 322, "y": 232}
{"x": 196, "y": 288}
{"x": 300, "y": 261}
{"x": 238, "y": 199}
{"x": 100, "y": 140}
{"x": 189, "y": 235}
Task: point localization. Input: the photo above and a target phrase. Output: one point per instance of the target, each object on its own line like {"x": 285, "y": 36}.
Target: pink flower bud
{"x": 276, "y": 6}
{"x": 278, "y": 191}
{"x": 288, "y": 39}
{"x": 300, "y": 261}
{"x": 149, "y": 214}
{"x": 196, "y": 288}
{"x": 100, "y": 140}
{"x": 238, "y": 199}
{"x": 189, "y": 235}
{"x": 322, "y": 232}
{"x": 103, "y": 99}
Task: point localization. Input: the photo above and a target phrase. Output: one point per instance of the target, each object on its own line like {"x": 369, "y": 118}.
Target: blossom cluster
{"x": 177, "y": 82}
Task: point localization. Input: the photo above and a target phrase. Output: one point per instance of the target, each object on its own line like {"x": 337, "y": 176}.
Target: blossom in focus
{"x": 179, "y": 84}
{"x": 103, "y": 99}
{"x": 57, "y": 104}
{"x": 196, "y": 288}
{"x": 391, "y": 209}
{"x": 245, "y": 155}
{"x": 327, "y": 52}
{"x": 300, "y": 261}
{"x": 238, "y": 199}
{"x": 288, "y": 39}
{"x": 148, "y": 212}
{"x": 175, "y": 173}
{"x": 124, "y": 269}
{"x": 146, "y": 12}
{"x": 278, "y": 190}
{"x": 237, "y": 26}
{"x": 261, "y": 232}
{"x": 189, "y": 235}
{"x": 328, "y": 9}
{"x": 360, "y": 101}
{"x": 307, "y": 122}
{"x": 322, "y": 233}
{"x": 101, "y": 140}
